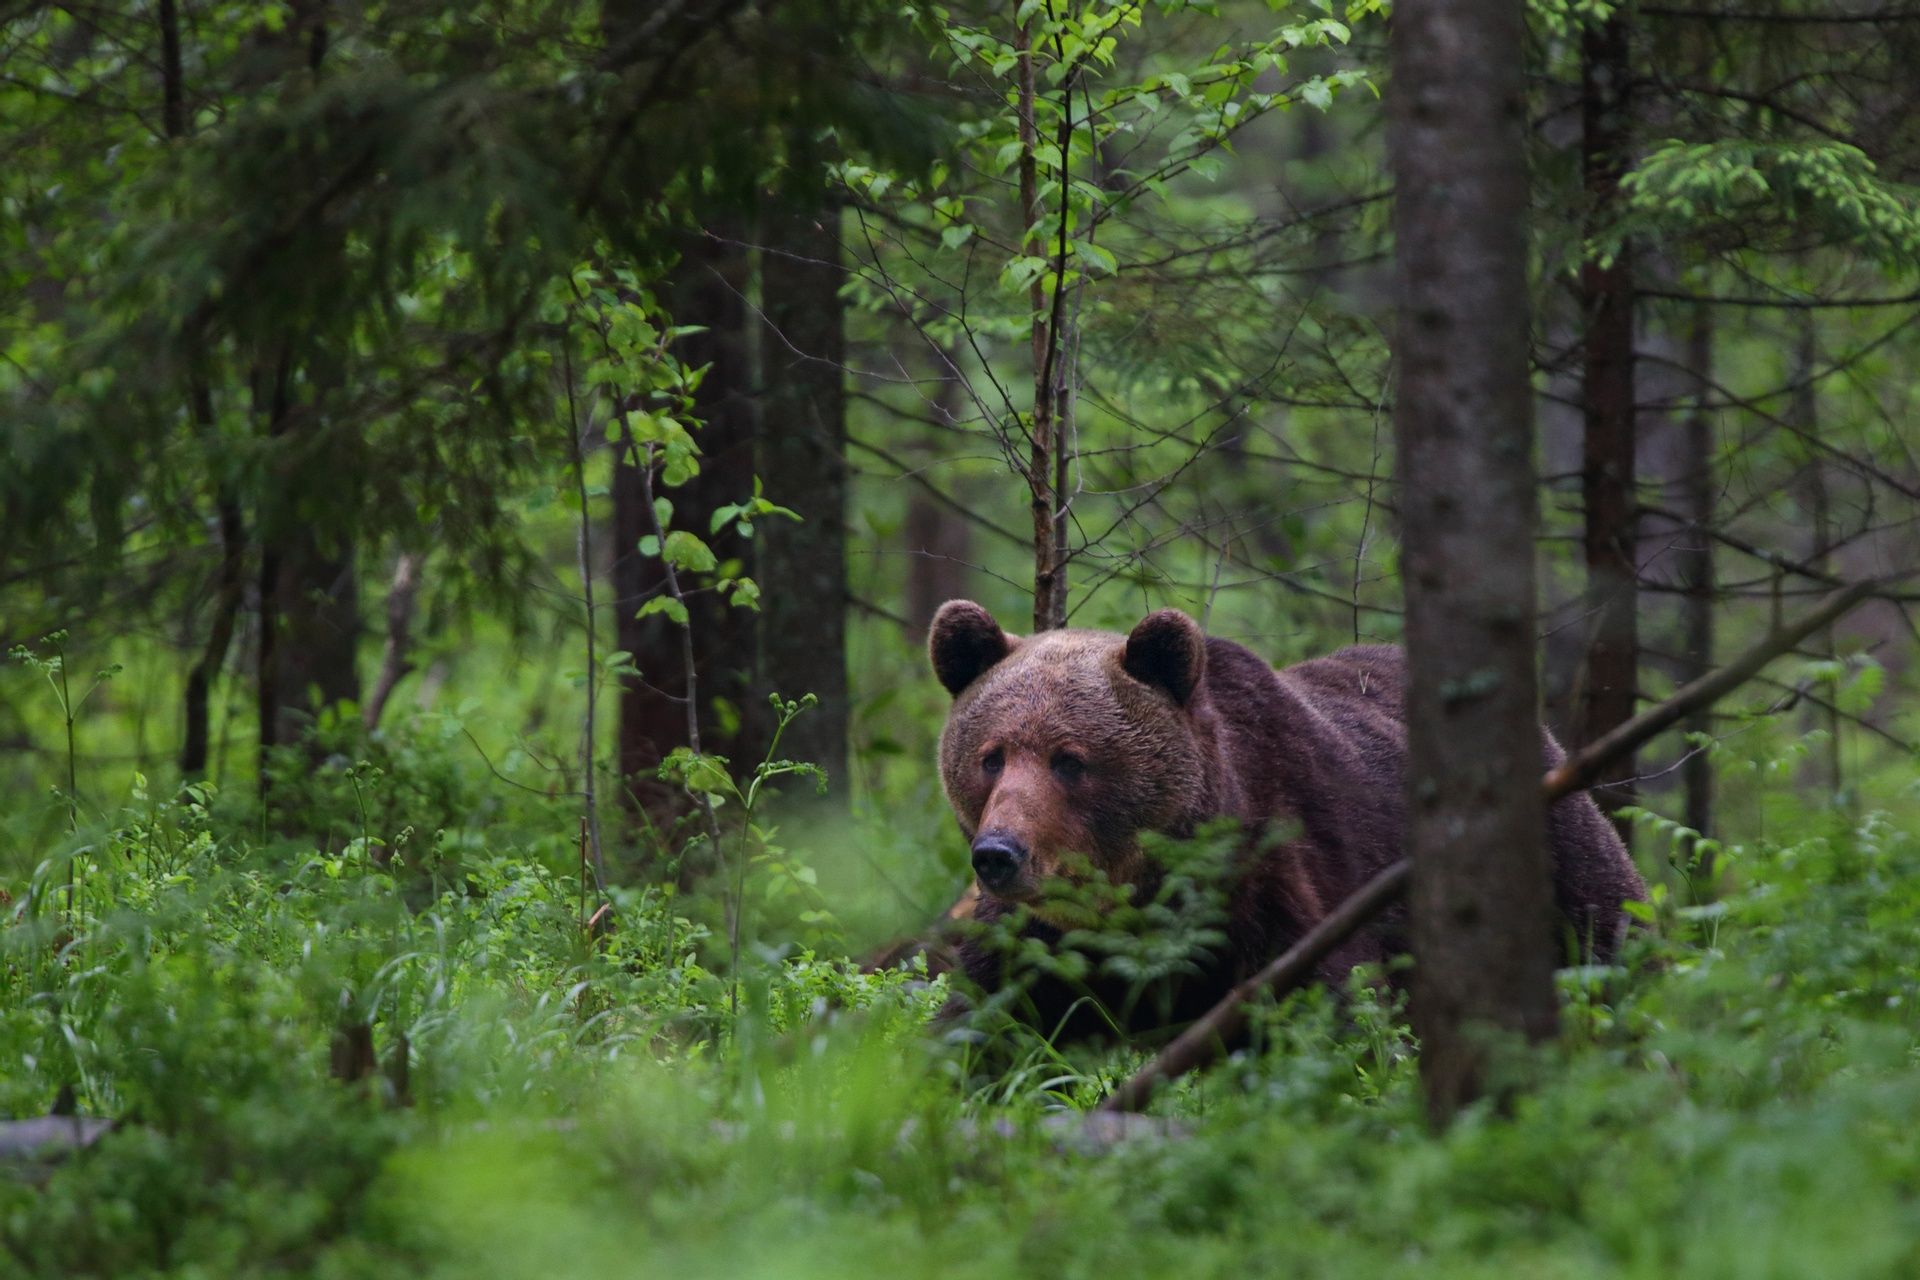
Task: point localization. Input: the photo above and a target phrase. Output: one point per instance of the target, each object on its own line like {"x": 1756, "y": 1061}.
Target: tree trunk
{"x": 229, "y": 595}
{"x": 1696, "y": 567}
{"x": 313, "y": 601}
{"x": 230, "y": 583}
{"x": 396, "y": 661}
{"x": 309, "y": 592}
{"x": 1047, "y": 434}
{"x": 802, "y": 463}
{"x": 1817, "y": 502}
{"x": 1608, "y": 462}
{"x": 1482, "y": 904}
{"x": 939, "y": 542}
{"x": 708, "y": 290}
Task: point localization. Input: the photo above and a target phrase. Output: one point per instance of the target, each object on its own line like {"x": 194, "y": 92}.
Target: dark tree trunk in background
{"x": 1481, "y": 900}
{"x": 270, "y": 406}
{"x": 311, "y": 607}
{"x": 1608, "y": 463}
{"x": 309, "y": 594}
{"x": 802, "y": 567}
{"x": 1696, "y": 567}
{"x": 309, "y": 591}
{"x": 708, "y": 289}
{"x": 1816, "y": 501}
{"x": 230, "y": 579}
{"x": 938, "y": 546}
{"x": 939, "y": 541}
{"x": 229, "y": 595}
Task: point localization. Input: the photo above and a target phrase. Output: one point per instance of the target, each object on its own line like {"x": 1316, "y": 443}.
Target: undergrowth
{"x": 550, "y": 1096}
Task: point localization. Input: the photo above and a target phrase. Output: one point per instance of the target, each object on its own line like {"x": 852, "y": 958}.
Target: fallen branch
{"x": 1581, "y": 768}
{"x": 1203, "y": 1042}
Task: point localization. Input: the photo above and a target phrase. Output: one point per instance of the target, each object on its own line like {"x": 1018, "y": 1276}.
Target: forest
{"x": 484, "y": 764}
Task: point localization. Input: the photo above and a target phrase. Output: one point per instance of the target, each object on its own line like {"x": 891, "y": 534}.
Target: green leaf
{"x": 664, "y": 604}
{"x": 1097, "y": 256}
{"x": 687, "y": 551}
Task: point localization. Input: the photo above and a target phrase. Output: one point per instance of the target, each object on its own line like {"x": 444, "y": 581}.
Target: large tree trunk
{"x": 1608, "y": 463}
{"x": 708, "y": 290}
{"x": 1696, "y": 567}
{"x": 309, "y": 636}
{"x": 1482, "y": 902}
{"x": 309, "y": 594}
{"x": 315, "y": 607}
{"x": 309, "y": 591}
{"x": 802, "y": 462}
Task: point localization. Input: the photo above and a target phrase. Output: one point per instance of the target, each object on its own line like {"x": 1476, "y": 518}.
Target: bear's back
{"x": 1319, "y": 746}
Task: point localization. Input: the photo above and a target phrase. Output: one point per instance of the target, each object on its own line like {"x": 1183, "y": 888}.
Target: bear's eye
{"x": 1068, "y": 767}
{"x": 996, "y": 761}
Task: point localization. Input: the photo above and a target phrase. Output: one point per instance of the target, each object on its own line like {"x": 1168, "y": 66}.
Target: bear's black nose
{"x": 997, "y": 859}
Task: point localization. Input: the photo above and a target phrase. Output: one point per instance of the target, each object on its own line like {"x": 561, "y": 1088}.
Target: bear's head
{"x": 1071, "y": 743}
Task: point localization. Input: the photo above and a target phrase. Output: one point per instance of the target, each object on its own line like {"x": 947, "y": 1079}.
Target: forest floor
{"x": 1740, "y": 1098}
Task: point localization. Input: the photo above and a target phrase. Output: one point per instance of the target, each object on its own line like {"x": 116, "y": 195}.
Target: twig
{"x": 588, "y": 733}
{"x": 692, "y": 695}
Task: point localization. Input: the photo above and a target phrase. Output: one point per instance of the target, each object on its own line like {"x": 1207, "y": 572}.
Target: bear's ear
{"x": 964, "y": 641}
{"x": 1167, "y": 649}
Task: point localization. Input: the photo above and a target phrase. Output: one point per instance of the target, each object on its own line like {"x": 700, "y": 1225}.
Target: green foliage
{"x": 1731, "y": 1102}
{"x": 289, "y": 261}
{"x": 1133, "y": 948}
{"x": 647, "y": 397}
{"x": 438, "y": 253}
{"x": 1805, "y": 193}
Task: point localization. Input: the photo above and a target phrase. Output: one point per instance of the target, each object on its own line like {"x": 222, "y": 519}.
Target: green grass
{"x": 1743, "y": 1100}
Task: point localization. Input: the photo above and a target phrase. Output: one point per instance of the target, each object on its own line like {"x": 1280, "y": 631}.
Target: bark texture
{"x": 1814, "y": 496}
{"x": 309, "y": 592}
{"x": 802, "y": 463}
{"x": 1608, "y": 459}
{"x": 1482, "y": 899}
{"x": 1696, "y": 566}
{"x": 311, "y": 607}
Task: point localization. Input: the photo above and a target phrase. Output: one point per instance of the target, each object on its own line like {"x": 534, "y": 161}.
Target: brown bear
{"x": 1063, "y": 748}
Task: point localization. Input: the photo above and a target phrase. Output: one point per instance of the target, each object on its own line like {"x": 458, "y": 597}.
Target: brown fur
{"x": 1174, "y": 730}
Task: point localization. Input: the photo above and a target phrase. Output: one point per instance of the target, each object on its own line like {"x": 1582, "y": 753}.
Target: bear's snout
{"x": 997, "y": 859}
